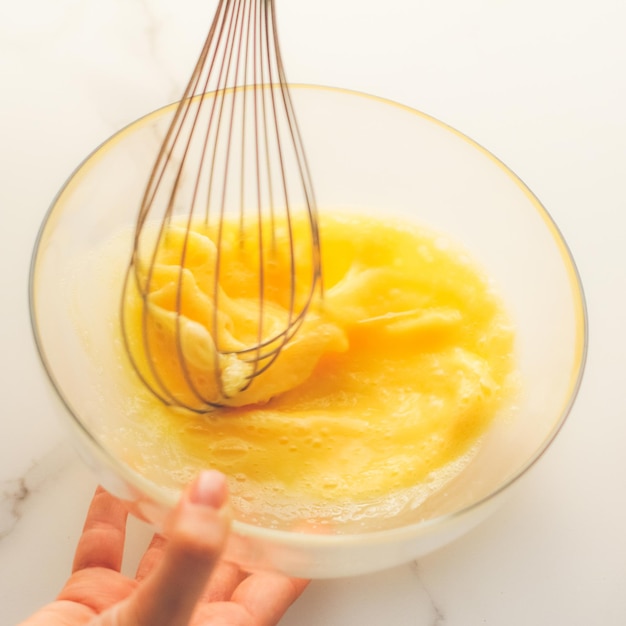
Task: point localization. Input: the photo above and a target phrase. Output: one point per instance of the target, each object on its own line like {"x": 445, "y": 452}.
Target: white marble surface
{"x": 541, "y": 83}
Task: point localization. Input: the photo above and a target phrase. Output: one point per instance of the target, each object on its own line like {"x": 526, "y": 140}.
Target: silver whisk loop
{"x": 233, "y": 151}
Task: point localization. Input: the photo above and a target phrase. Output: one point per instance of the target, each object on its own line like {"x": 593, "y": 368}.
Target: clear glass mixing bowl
{"x": 365, "y": 153}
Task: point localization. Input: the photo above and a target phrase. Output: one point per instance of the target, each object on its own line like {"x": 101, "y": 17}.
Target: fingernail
{"x": 209, "y": 489}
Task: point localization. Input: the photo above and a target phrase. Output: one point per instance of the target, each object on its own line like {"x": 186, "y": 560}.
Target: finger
{"x": 223, "y": 582}
{"x": 102, "y": 541}
{"x": 152, "y": 556}
{"x": 196, "y": 534}
{"x": 266, "y": 596}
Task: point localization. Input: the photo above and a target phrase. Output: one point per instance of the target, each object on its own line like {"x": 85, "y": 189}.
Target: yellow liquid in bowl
{"x": 397, "y": 374}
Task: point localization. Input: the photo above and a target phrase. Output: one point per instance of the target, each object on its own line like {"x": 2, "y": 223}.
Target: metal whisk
{"x": 230, "y": 181}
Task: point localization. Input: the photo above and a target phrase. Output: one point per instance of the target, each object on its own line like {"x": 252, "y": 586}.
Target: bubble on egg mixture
{"x": 271, "y": 506}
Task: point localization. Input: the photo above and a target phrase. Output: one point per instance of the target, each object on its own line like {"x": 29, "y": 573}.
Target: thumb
{"x": 196, "y": 533}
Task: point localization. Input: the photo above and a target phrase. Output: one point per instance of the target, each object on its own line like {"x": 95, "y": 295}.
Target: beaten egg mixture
{"x": 393, "y": 378}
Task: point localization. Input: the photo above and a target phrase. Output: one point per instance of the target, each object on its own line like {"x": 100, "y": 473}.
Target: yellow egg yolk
{"x": 395, "y": 375}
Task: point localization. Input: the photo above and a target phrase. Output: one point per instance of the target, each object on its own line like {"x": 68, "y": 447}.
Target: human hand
{"x": 180, "y": 579}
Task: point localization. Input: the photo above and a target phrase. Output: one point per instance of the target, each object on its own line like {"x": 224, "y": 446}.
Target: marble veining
{"x": 12, "y": 494}
{"x": 438, "y": 616}
{"x": 152, "y": 29}
{"x": 15, "y": 492}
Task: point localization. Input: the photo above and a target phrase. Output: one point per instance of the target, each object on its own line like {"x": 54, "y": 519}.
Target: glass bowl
{"x": 365, "y": 153}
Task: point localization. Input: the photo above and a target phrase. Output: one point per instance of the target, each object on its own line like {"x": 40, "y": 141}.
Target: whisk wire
{"x": 233, "y": 142}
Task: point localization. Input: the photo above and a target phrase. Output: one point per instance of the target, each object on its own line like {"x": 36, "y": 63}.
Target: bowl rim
{"x": 295, "y": 537}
